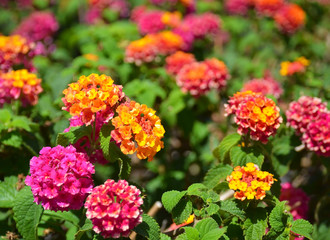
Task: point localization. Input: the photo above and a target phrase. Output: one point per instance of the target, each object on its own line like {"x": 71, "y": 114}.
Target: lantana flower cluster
{"x": 149, "y": 47}
{"x": 289, "y": 17}
{"x": 91, "y": 95}
{"x": 310, "y": 118}
{"x": 21, "y": 85}
{"x": 15, "y": 50}
{"x": 39, "y": 26}
{"x": 297, "y": 200}
{"x": 255, "y": 115}
{"x": 249, "y": 182}
{"x": 138, "y": 129}
{"x": 297, "y": 66}
{"x": 114, "y": 208}
{"x": 61, "y": 178}
{"x": 156, "y": 21}
{"x": 194, "y": 77}
{"x": 96, "y": 9}
{"x": 266, "y": 85}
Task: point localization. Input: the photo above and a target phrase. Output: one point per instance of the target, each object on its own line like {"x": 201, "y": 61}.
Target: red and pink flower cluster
{"x": 310, "y": 118}
{"x": 21, "y": 85}
{"x": 114, "y": 208}
{"x": 266, "y": 85}
{"x": 194, "y": 77}
{"x": 255, "y": 115}
{"x": 297, "y": 66}
{"x": 289, "y": 17}
{"x": 61, "y": 178}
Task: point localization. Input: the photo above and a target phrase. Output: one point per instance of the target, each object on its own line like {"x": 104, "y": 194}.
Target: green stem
{"x": 29, "y": 148}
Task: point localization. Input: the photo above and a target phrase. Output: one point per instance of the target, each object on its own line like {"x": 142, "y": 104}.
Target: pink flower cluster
{"x": 311, "y": 119}
{"x": 297, "y": 200}
{"x": 114, "y": 208}
{"x": 61, "y": 178}
{"x": 83, "y": 144}
{"x": 266, "y": 85}
{"x": 39, "y": 26}
{"x": 176, "y": 61}
{"x": 197, "y": 78}
{"x": 96, "y": 8}
{"x": 255, "y": 115}
{"x": 289, "y": 17}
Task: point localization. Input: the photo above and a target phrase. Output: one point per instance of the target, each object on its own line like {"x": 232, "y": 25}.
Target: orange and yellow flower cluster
{"x": 91, "y": 95}
{"x": 149, "y": 47}
{"x": 290, "y": 17}
{"x": 255, "y": 115}
{"x": 19, "y": 84}
{"x": 14, "y": 50}
{"x": 249, "y": 182}
{"x": 177, "y": 60}
{"x": 297, "y": 66}
{"x": 138, "y": 129}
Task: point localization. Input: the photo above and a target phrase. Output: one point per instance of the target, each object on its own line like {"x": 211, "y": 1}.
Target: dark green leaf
{"x": 182, "y": 211}
{"x": 171, "y": 199}
{"x": 88, "y": 226}
{"x": 8, "y": 192}
{"x": 205, "y": 226}
{"x": 277, "y": 218}
{"x": 67, "y": 216}
{"x": 191, "y": 233}
{"x": 222, "y": 151}
{"x": 214, "y": 234}
{"x": 216, "y": 174}
{"x": 241, "y": 156}
{"x": 231, "y": 207}
{"x": 27, "y": 214}
{"x": 73, "y": 135}
{"x": 149, "y": 228}
{"x": 303, "y": 228}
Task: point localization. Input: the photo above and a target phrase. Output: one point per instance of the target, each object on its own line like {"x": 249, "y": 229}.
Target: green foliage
{"x": 216, "y": 174}
{"x": 171, "y": 199}
{"x": 222, "y": 151}
{"x": 149, "y": 228}
{"x": 182, "y": 211}
{"x": 231, "y": 207}
{"x": 88, "y": 225}
{"x": 277, "y": 217}
{"x": 27, "y": 214}
{"x": 241, "y": 156}
{"x": 303, "y": 228}
{"x": 8, "y": 192}
{"x": 73, "y": 135}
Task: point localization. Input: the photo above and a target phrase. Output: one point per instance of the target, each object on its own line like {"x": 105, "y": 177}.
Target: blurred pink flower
{"x": 239, "y": 7}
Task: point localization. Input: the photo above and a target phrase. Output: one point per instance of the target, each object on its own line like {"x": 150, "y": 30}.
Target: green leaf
{"x": 182, "y": 211}
{"x": 21, "y": 122}
{"x": 276, "y": 217}
{"x": 182, "y": 236}
{"x": 212, "y": 209}
{"x": 191, "y": 233}
{"x": 215, "y": 234}
{"x": 171, "y": 106}
{"x": 124, "y": 168}
{"x": 303, "y": 228}
{"x": 67, "y": 216}
{"x": 105, "y": 137}
{"x": 222, "y": 151}
{"x": 8, "y": 192}
{"x": 255, "y": 231}
{"x": 230, "y": 207}
{"x": 13, "y": 139}
{"x": 149, "y": 228}
{"x": 206, "y": 225}
{"x": 5, "y": 116}
{"x": 164, "y": 237}
{"x": 73, "y": 135}
{"x": 216, "y": 174}
{"x": 196, "y": 189}
{"x": 171, "y": 199}
{"x": 241, "y": 156}
{"x": 88, "y": 225}
{"x": 27, "y": 214}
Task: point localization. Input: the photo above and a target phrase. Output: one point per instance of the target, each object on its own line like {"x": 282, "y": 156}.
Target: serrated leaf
{"x": 8, "y": 192}
{"x": 222, "y": 151}
{"x": 171, "y": 199}
{"x": 149, "y": 228}
{"x": 182, "y": 211}
{"x": 21, "y": 122}
{"x": 67, "y": 216}
{"x": 303, "y": 228}
{"x": 216, "y": 174}
{"x": 124, "y": 168}
{"x": 206, "y": 225}
{"x": 214, "y": 234}
{"x": 241, "y": 156}
{"x": 230, "y": 207}
{"x": 182, "y": 236}
{"x": 191, "y": 233}
{"x": 212, "y": 209}
{"x": 276, "y": 217}
{"x": 88, "y": 226}
{"x": 12, "y": 139}
{"x": 221, "y": 187}
{"x": 255, "y": 231}
{"x": 27, "y": 214}
{"x": 74, "y": 134}
{"x": 105, "y": 137}
{"x": 164, "y": 237}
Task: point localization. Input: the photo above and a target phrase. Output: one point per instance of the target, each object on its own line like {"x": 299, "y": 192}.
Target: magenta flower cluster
{"x": 114, "y": 208}
{"x": 61, "y": 178}
{"x": 311, "y": 119}
{"x": 297, "y": 200}
{"x": 39, "y": 26}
